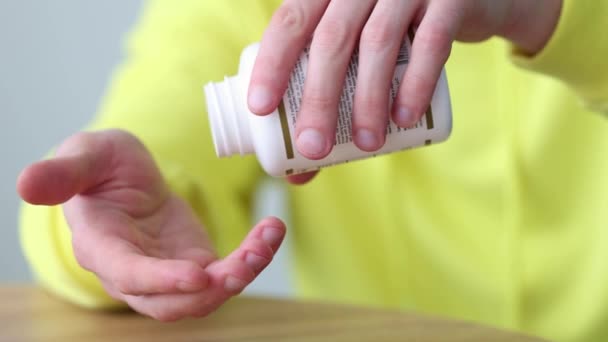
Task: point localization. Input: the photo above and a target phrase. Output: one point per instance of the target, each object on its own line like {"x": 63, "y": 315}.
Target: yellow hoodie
{"x": 505, "y": 224}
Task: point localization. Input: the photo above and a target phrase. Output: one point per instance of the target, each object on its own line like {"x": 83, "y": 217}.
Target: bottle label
{"x": 290, "y": 107}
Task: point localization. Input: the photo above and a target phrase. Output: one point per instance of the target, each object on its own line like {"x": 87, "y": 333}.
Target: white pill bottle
{"x": 272, "y": 138}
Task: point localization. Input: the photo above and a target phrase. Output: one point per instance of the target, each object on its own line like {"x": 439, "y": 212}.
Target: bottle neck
{"x": 228, "y": 116}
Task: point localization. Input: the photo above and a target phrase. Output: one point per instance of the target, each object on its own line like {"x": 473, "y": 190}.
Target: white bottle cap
{"x": 228, "y": 118}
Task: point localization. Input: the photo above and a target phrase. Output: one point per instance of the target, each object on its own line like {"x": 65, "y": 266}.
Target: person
{"x": 504, "y": 224}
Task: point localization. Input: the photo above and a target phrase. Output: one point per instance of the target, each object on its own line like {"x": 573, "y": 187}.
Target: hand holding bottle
{"x": 378, "y": 28}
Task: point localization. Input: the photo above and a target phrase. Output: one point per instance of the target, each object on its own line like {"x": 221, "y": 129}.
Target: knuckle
{"x": 260, "y": 248}
{"x": 378, "y": 36}
{"x": 369, "y": 105}
{"x": 317, "y": 103}
{"x": 290, "y": 17}
{"x": 191, "y": 271}
{"x": 435, "y": 40}
{"x": 334, "y": 37}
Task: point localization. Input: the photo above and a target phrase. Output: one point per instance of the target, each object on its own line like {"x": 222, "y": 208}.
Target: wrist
{"x": 530, "y": 24}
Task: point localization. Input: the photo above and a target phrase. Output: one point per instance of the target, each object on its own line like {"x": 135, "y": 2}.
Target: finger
{"x": 55, "y": 181}
{"x": 431, "y": 49}
{"x": 173, "y": 306}
{"x": 302, "y": 178}
{"x": 131, "y": 273}
{"x": 86, "y": 163}
{"x": 379, "y": 46}
{"x": 228, "y": 277}
{"x": 288, "y": 33}
{"x": 80, "y": 163}
{"x": 331, "y": 51}
{"x": 255, "y": 253}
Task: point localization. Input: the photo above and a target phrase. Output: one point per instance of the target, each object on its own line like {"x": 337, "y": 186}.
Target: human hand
{"x": 144, "y": 243}
{"x": 378, "y": 28}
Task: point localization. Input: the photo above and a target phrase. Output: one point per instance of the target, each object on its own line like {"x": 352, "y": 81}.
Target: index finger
{"x": 289, "y": 31}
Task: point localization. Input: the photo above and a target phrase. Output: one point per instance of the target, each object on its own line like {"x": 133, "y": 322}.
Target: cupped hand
{"x": 143, "y": 242}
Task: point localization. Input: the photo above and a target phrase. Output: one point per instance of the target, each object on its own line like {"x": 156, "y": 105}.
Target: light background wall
{"x": 55, "y": 60}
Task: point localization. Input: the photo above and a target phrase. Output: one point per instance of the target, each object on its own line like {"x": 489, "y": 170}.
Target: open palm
{"x": 143, "y": 242}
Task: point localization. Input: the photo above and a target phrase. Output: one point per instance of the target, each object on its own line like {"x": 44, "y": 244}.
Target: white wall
{"x": 55, "y": 60}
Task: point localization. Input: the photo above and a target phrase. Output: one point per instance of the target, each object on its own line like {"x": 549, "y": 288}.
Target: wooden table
{"x": 29, "y": 314}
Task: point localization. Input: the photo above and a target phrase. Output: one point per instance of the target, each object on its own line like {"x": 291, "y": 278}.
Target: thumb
{"x": 79, "y": 165}
{"x": 55, "y": 181}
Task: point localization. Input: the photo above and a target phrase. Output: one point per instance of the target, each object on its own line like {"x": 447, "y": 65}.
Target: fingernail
{"x": 255, "y": 261}
{"x": 404, "y": 117}
{"x": 367, "y": 139}
{"x": 272, "y": 236}
{"x": 186, "y": 286}
{"x": 260, "y": 98}
{"x": 311, "y": 142}
{"x": 233, "y": 284}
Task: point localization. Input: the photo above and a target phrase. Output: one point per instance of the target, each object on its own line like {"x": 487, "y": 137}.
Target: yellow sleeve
{"x": 578, "y": 52}
{"x": 156, "y": 94}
